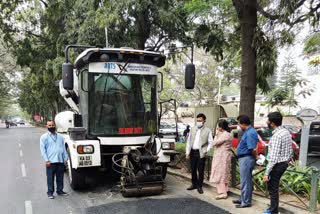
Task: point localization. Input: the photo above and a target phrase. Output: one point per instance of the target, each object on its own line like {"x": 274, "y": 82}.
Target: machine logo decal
{"x": 110, "y": 65}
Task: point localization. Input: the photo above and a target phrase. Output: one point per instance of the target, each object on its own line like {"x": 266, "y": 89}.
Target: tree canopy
{"x": 241, "y": 35}
{"x": 38, "y": 31}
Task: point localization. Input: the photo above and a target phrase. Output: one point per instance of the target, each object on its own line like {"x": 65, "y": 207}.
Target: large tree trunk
{"x": 247, "y": 15}
{"x": 143, "y": 28}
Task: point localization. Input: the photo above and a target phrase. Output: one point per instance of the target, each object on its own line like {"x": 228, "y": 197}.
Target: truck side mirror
{"x": 190, "y": 76}
{"x": 160, "y": 88}
{"x": 67, "y": 76}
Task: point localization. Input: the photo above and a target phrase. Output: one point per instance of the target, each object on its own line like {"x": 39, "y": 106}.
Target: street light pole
{"x": 191, "y": 54}
{"x": 219, "y": 91}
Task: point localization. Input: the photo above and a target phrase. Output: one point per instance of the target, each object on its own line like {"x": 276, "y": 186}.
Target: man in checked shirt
{"x": 279, "y": 155}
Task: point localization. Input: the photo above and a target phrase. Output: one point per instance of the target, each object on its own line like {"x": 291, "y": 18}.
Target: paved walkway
{"x": 258, "y": 205}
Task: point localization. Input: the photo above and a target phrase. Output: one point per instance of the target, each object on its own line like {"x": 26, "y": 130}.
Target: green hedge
{"x": 296, "y": 177}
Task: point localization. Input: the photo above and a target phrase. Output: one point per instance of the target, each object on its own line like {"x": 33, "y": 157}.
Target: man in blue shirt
{"x": 246, "y": 156}
{"x": 55, "y": 155}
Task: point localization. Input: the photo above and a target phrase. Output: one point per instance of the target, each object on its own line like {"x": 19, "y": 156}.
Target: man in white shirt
{"x": 279, "y": 155}
{"x": 196, "y": 149}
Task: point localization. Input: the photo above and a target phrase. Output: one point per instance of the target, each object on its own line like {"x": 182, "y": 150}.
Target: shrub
{"x": 296, "y": 177}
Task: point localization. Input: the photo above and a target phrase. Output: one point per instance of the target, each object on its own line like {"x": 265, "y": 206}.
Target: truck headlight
{"x": 168, "y": 146}
{"x": 85, "y": 149}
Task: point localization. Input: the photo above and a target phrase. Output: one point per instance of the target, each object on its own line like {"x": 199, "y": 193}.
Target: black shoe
{"x": 191, "y": 187}
{"x": 236, "y": 201}
{"x": 50, "y": 197}
{"x": 62, "y": 193}
{"x": 242, "y": 206}
{"x": 200, "y": 191}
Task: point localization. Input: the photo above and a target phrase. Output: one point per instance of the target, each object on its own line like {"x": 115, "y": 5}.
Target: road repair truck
{"x": 113, "y": 123}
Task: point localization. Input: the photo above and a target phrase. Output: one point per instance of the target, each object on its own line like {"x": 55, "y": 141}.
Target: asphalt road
{"x": 23, "y": 186}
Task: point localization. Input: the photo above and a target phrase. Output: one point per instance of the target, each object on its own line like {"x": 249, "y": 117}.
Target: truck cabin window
{"x": 122, "y": 104}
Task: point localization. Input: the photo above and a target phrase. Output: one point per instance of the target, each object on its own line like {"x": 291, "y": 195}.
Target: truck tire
{"x": 164, "y": 170}
{"x": 77, "y": 178}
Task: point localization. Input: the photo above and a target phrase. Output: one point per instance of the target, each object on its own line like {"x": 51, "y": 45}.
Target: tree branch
{"x": 286, "y": 20}
{"x": 266, "y": 14}
{"x": 275, "y": 17}
{"x": 43, "y": 2}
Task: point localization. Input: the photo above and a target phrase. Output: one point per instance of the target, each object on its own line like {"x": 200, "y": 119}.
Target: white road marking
{"x": 19, "y": 145}
{"x": 23, "y": 170}
{"x": 21, "y": 154}
{"x": 28, "y": 207}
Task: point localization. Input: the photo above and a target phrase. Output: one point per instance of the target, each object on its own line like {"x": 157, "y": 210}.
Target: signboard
{"x": 37, "y": 117}
{"x": 116, "y": 68}
{"x": 307, "y": 114}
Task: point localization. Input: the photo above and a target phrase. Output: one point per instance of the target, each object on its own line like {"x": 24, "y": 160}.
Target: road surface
{"x": 23, "y": 186}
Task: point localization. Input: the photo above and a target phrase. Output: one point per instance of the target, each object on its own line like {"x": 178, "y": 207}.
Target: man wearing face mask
{"x": 199, "y": 142}
{"x": 279, "y": 154}
{"x": 55, "y": 155}
{"x": 246, "y": 156}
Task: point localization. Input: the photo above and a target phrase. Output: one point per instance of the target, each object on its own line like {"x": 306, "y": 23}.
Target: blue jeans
{"x": 246, "y": 165}
{"x": 55, "y": 170}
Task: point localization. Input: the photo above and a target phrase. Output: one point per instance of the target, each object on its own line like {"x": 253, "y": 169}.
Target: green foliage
{"x": 266, "y": 59}
{"x": 211, "y": 37}
{"x": 277, "y": 97}
{"x": 181, "y": 147}
{"x": 276, "y": 24}
{"x": 48, "y": 26}
{"x": 145, "y": 24}
{"x": 312, "y": 44}
{"x": 37, "y": 31}
{"x": 284, "y": 93}
{"x": 296, "y": 177}
{"x": 8, "y": 77}
{"x": 207, "y": 81}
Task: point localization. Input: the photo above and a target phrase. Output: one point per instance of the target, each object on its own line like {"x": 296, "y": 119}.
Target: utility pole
{"x": 306, "y": 116}
{"x": 106, "y": 32}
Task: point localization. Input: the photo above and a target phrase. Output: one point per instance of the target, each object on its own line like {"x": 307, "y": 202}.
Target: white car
{"x": 167, "y": 130}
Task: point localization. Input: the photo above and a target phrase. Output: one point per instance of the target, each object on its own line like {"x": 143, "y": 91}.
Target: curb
{"x": 205, "y": 183}
{"x": 257, "y": 199}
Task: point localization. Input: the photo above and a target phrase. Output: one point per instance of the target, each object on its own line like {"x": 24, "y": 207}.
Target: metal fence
{"x": 314, "y": 179}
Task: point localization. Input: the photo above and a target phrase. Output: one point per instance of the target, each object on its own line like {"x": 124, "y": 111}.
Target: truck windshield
{"x": 122, "y": 104}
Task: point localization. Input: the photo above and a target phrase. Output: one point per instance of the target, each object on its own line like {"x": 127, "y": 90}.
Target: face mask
{"x": 199, "y": 124}
{"x": 239, "y": 128}
{"x": 52, "y": 129}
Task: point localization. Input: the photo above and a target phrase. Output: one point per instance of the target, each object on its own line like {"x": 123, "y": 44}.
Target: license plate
{"x": 85, "y": 160}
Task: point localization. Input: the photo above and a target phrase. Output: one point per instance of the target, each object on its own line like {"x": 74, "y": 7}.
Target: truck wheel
{"x": 164, "y": 170}
{"x": 76, "y": 177}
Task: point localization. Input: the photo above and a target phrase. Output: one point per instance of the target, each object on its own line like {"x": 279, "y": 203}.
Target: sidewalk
{"x": 259, "y": 204}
